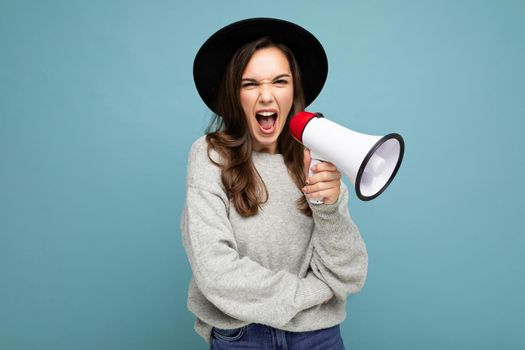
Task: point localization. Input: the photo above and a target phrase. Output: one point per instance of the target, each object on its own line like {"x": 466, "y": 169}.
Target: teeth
{"x": 266, "y": 114}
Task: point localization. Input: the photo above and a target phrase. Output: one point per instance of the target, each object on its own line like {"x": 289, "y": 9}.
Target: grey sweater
{"x": 279, "y": 268}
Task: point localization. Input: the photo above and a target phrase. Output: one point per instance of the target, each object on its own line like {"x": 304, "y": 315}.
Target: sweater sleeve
{"x": 238, "y": 286}
{"x": 339, "y": 254}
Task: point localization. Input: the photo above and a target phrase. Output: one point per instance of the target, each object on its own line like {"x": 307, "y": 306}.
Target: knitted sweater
{"x": 280, "y": 267}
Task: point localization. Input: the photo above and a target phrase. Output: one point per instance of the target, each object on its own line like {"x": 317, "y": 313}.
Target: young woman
{"x": 270, "y": 270}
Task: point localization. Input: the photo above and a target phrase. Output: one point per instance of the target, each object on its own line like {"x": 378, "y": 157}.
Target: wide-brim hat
{"x": 215, "y": 54}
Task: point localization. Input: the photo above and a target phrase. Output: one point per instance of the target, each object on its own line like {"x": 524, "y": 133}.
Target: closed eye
{"x": 249, "y": 84}
{"x": 281, "y": 81}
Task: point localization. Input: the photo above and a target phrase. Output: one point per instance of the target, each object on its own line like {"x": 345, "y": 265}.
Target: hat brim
{"x": 215, "y": 54}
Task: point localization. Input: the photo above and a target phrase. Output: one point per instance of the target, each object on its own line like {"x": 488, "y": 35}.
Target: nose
{"x": 265, "y": 94}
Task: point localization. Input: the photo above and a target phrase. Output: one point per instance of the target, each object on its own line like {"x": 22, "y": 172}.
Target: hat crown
{"x": 214, "y": 55}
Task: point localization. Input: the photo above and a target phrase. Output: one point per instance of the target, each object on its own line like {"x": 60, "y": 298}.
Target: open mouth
{"x": 266, "y": 121}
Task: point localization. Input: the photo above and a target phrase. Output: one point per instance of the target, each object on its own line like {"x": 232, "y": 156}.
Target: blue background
{"x": 98, "y": 110}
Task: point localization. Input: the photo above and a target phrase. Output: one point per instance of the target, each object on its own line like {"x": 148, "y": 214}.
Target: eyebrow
{"x": 277, "y": 77}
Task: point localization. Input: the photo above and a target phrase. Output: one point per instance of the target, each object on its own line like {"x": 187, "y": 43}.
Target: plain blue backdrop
{"x": 97, "y": 113}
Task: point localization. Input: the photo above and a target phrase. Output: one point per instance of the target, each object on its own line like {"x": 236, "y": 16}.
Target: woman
{"x": 269, "y": 269}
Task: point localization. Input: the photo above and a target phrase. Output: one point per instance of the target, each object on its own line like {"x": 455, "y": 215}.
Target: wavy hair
{"x": 229, "y": 136}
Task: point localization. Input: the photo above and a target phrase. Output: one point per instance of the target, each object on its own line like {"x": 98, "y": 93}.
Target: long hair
{"x": 229, "y": 136}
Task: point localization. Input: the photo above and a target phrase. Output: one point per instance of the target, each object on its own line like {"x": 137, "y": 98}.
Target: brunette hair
{"x": 229, "y": 136}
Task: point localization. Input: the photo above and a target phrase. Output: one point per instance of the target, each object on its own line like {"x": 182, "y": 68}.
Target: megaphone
{"x": 371, "y": 162}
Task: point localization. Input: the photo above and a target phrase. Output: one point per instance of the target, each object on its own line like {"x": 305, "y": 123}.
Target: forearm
{"x": 241, "y": 287}
{"x": 339, "y": 254}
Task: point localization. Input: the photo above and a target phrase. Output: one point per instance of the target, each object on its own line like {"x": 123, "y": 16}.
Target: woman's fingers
{"x": 324, "y": 176}
{"x": 329, "y": 196}
{"x": 323, "y": 171}
{"x": 325, "y": 183}
{"x": 321, "y": 186}
{"x": 324, "y": 166}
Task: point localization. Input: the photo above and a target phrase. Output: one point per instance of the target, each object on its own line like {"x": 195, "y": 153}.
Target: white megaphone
{"x": 371, "y": 162}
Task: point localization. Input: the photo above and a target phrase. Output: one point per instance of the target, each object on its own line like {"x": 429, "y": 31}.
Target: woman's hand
{"x": 325, "y": 183}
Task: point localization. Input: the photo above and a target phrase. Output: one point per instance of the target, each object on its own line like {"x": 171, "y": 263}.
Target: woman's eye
{"x": 281, "y": 82}
{"x": 249, "y": 85}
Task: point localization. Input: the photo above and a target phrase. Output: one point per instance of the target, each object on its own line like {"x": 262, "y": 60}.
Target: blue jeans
{"x": 259, "y": 337}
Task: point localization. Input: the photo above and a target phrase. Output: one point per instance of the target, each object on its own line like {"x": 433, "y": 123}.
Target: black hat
{"x": 215, "y": 54}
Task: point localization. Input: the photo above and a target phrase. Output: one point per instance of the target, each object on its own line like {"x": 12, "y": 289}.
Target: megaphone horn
{"x": 371, "y": 162}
